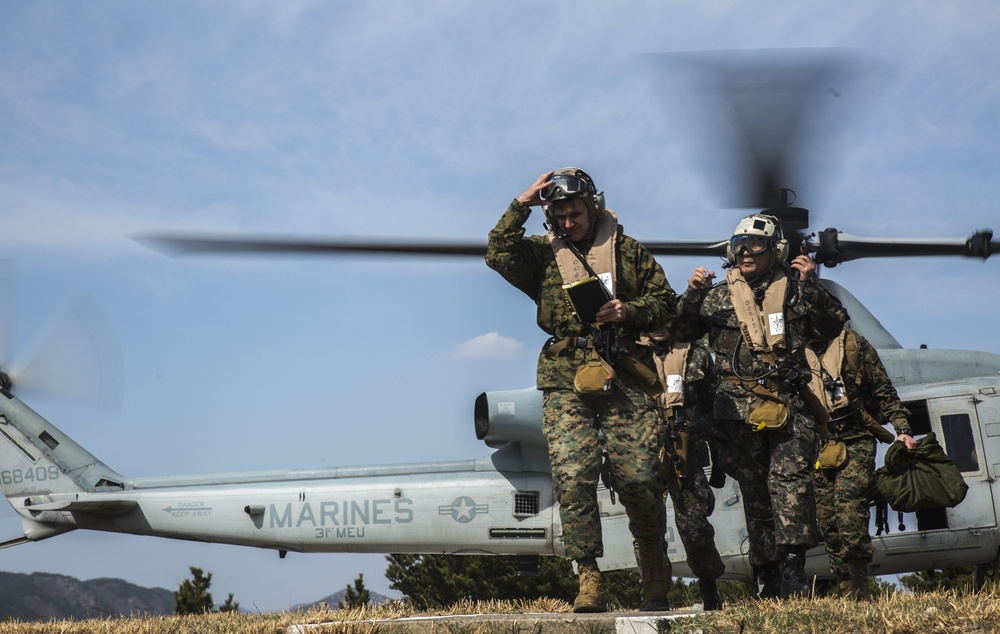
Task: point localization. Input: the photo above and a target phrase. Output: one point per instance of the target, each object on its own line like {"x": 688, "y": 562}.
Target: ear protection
{"x": 598, "y": 196}
{"x": 782, "y": 249}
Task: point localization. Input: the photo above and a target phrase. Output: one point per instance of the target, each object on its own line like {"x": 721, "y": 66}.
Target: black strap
{"x": 606, "y": 475}
{"x": 881, "y": 517}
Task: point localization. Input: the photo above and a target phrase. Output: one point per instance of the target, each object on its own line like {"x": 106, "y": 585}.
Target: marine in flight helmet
{"x": 757, "y": 233}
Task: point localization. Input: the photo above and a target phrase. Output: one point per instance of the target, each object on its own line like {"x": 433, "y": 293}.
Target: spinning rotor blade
{"x": 759, "y": 119}
{"x": 186, "y": 245}
{"x": 836, "y": 247}
{"x": 76, "y": 355}
{"x": 687, "y": 248}
{"x": 6, "y": 280}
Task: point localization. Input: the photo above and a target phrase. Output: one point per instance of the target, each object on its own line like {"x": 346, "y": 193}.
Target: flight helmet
{"x": 757, "y": 233}
{"x": 573, "y": 182}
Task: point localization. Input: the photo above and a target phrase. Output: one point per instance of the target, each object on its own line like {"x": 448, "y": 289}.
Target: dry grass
{"x": 896, "y": 614}
{"x": 933, "y": 613}
{"x": 354, "y": 621}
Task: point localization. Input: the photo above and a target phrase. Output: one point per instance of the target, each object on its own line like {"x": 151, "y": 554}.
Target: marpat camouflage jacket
{"x": 877, "y": 392}
{"x": 529, "y": 264}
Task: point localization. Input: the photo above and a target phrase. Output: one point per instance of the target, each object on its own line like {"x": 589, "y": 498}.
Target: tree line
{"x": 437, "y": 581}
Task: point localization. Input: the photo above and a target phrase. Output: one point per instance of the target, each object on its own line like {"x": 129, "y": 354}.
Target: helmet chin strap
{"x": 554, "y": 228}
{"x": 558, "y": 234}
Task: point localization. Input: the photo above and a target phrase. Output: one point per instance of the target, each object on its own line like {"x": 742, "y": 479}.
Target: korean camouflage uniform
{"x": 571, "y": 422}
{"x": 773, "y": 468}
{"x": 694, "y": 503}
{"x": 843, "y": 497}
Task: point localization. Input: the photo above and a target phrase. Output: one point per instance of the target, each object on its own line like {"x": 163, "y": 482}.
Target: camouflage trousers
{"x": 734, "y": 438}
{"x": 843, "y": 506}
{"x": 693, "y": 505}
{"x": 630, "y": 425}
{"x": 774, "y": 471}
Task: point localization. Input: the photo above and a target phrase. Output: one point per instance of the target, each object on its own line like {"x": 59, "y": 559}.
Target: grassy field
{"x": 933, "y": 613}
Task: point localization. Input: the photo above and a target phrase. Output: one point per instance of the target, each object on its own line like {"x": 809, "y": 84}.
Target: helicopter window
{"x": 920, "y": 420}
{"x": 526, "y": 504}
{"x": 959, "y": 441}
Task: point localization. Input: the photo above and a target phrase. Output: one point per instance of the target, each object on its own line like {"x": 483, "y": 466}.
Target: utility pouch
{"x": 595, "y": 377}
{"x": 648, "y": 380}
{"x": 833, "y": 455}
{"x": 768, "y": 413}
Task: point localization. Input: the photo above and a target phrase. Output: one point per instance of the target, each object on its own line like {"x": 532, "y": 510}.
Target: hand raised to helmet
{"x": 530, "y": 196}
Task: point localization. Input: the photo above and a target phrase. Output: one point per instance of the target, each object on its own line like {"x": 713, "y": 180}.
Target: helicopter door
{"x": 957, "y": 425}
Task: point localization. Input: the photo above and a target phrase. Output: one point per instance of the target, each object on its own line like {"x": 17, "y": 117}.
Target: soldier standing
{"x": 688, "y": 373}
{"x": 584, "y": 240}
{"x": 759, "y": 323}
{"x": 860, "y": 397}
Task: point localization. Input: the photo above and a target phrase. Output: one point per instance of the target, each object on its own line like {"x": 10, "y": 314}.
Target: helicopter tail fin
{"x": 46, "y": 476}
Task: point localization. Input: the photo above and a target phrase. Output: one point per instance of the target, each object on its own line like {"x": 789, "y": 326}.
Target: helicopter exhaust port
{"x": 509, "y": 416}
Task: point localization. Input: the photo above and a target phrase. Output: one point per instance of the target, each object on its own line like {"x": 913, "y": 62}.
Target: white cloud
{"x": 492, "y": 345}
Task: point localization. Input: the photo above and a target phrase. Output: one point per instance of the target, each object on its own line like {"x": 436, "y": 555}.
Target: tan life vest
{"x": 832, "y": 362}
{"x": 763, "y": 328}
{"x": 601, "y": 256}
{"x": 671, "y": 369}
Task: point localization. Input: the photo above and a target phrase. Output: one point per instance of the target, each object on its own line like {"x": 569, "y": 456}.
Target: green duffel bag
{"x": 924, "y": 479}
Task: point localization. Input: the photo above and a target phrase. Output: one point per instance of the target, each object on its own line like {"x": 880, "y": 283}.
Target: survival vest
{"x": 763, "y": 328}
{"x": 601, "y": 256}
{"x": 671, "y": 369}
{"x": 844, "y": 348}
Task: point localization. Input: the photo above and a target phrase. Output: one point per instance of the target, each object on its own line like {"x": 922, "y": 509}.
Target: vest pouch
{"x": 643, "y": 374}
{"x": 833, "y": 456}
{"x": 768, "y": 414}
{"x": 595, "y": 377}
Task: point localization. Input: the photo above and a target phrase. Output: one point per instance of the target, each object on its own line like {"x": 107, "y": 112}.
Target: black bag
{"x": 925, "y": 479}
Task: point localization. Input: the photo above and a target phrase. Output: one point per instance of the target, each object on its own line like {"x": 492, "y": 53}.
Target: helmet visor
{"x": 564, "y": 186}
{"x": 754, "y": 245}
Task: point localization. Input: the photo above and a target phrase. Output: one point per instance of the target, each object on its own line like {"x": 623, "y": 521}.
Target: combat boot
{"x": 769, "y": 576}
{"x": 591, "y": 596}
{"x": 793, "y": 574}
{"x": 709, "y": 591}
{"x": 857, "y": 583}
{"x": 655, "y": 570}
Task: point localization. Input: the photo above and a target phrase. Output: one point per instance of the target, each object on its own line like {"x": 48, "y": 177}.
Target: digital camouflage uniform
{"x": 842, "y": 497}
{"x": 695, "y": 502}
{"x": 773, "y": 468}
{"x": 571, "y": 422}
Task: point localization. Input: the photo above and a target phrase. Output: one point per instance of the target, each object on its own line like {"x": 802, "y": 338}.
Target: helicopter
{"x": 502, "y": 503}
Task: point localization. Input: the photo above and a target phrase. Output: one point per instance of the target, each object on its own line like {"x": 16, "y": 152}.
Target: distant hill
{"x": 43, "y": 596}
{"x": 333, "y": 601}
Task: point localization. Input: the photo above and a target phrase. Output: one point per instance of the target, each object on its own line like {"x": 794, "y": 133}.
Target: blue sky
{"x": 414, "y": 120}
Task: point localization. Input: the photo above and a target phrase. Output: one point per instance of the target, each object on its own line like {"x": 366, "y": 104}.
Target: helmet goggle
{"x": 754, "y": 245}
{"x": 565, "y": 186}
